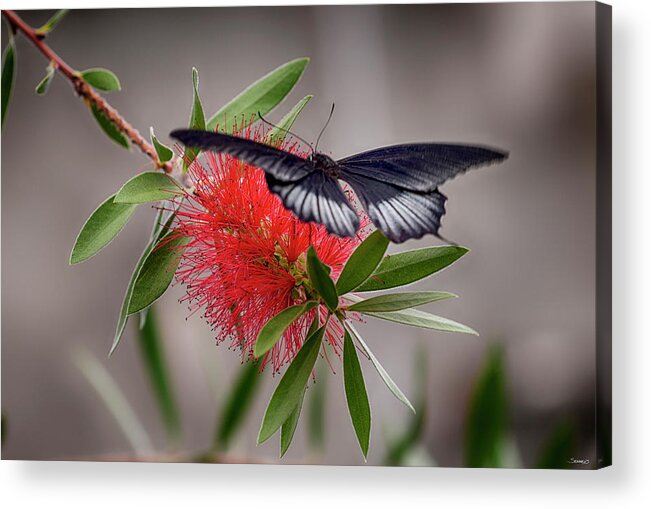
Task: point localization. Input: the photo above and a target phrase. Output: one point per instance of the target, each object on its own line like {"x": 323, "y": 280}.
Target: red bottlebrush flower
{"x": 245, "y": 261}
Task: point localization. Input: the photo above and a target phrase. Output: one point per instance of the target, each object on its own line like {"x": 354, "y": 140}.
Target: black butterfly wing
{"x": 282, "y": 165}
{"x": 398, "y": 213}
{"x": 318, "y": 198}
{"x": 419, "y": 166}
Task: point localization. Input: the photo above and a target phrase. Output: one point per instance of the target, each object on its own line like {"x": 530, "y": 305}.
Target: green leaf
{"x": 291, "y": 387}
{"x": 320, "y": 278}
{"x": 153, "y": 355}
{"x": 157, "y": 271}
{"x": 279, "y": 132}
{"x": 358, "y": 406}
{"x": 8, "y": 75}
{"x": 316, "y": 413}
{"x": 157, "y": 232}
{"x": 388, "y": 381}
{"x": 361, "y": 264}
{"x": 261, "y": 96}
{"x": 289, "y": 427}
{"x": 558, "y": 448}
{"x": 100, "y": 229}
{"x": 424, "y": 320}
{"x": 276, "y": 326}
{"x": 52, "y": 22}
{"x": 109, "y": 128}
{"x": 101, "y": 79}
{"x": 403, "y": 268}
{"x": 398, "y": 301}
{"x": 146, "y": 187}
{"x": 44, "y": 84}
{"x": 486, "y": 424}
{"x": 237, "y": 405}
{"x": 197, "y": 119}
{"x": 163, "y": 152}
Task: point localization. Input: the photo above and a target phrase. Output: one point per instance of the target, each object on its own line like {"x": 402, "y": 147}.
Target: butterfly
{"x": 397, "y": 185}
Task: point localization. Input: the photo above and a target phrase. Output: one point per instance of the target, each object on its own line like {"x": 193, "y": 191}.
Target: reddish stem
{"x": 88, "y": 93}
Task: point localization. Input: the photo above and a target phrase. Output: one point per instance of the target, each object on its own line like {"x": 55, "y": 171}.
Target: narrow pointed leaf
{"x": 158, "y": 231}
{"x": 559, "y": 447}
{"x": 146, "y": 187}
{"x": 320, "y": 278}
{"x": 356, "y": 397}
{"x": 197, "y": 118}
{"x": 52, "y": 22}
{"x": 261, "y": 96}
{"x": 276, "y": 326}
{"x": 153, "y": 355}
{"x": 486, "y": 423}
{"x": 237, "y": 405}
{"x": 418, "y": 318}
{"x": 8, "y": 76}
{"x": 100, "y": 229}
{"x": 278, "y": 133}
{"x": 388, "y": 381}
{"x": 109, "y": 128}
{"x": 291, "y": 386}
{"x": 44, "y": 84}
{"x": 289, "y": 427}
{"x": 101, "y": 79}
{"x": 407, "y": 267}
{"x": 398, "y": 301}
{"x": 361, "y": 264}
{"x": 163, "y": 152}
{"x": 316, "y": 414}
{"x": 157, "y": 272}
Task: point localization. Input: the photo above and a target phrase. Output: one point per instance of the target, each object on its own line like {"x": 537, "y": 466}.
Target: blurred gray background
{"x": 516, "y": 76}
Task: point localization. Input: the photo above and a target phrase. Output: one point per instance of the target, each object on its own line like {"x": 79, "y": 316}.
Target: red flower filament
{"x": 245, "y": 260}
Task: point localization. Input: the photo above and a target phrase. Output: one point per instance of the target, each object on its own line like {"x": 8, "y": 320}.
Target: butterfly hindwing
{"x": 398, "y": 213}
{"x": 282, "y": 165}
{"x": 418, "y": 166}
{"x": 318, "y": 198}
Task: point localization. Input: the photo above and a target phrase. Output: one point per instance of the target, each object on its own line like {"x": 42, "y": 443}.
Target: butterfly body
{"x": 396, "y": 185}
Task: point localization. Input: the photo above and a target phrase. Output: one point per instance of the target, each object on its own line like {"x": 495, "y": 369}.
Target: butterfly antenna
{"x": 332, "y": 110}
{"x": 285, "y": 130}
{"x": 451, "y": 242}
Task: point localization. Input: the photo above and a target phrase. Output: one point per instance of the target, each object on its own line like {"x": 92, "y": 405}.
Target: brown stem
{"x": 88, "y": 93}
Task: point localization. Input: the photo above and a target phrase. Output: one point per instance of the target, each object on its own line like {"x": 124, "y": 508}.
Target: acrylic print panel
{"x": 441, "y": 302}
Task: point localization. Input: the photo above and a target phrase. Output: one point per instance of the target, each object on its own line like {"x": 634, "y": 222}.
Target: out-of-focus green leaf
{"x": 197, "y": 119}
{"x": 398, "y": 301}
{"x": 409, "y": 266}
{"x": 153, "y": 355}
{"x": 320, "y": 278}
{"x": 100, "y": 229}
{"x": 398, "y": 452}
{"x": 388, "y": 381}
{"x": 279, "y": 132}
{"x": 361, "y": 264}
{"x": 8, "y": 75}
{"x": 316, "y": 427}
{"x": 52, "y": 22}
{"x": 163, "y": 152}
{"x": 44, "y": 84}
{"x": 356, "y": 397}
{"x": 261, "y": 97}
{"x": 115, "y": 401}
{"x": 276, "y": 326}
{"x": 109, "y": 128}
{"x": 237, "y": 405}
{"x": 146, "y": 187}
{"x": 157, "y": 232}
{"x": 289, "y": 427}
{"x": 101, "y": 79}
{"x": 418, "y": 318}
{"x": 486, "y": 423}
{"x": 157, "y": 271}
{"x": 559, "y": 447}
{"x": 291, "y": 386}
